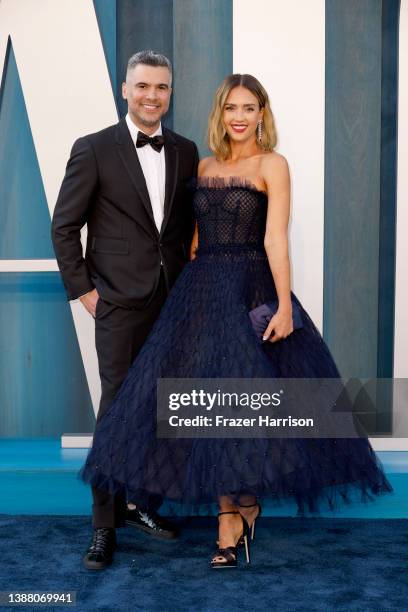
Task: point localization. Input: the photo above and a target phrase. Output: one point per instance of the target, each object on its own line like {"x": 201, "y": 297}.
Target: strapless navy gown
{"x": 204, "y": 331}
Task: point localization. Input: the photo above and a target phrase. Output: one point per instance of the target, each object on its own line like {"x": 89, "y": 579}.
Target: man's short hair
{"x": 149, "y": 58}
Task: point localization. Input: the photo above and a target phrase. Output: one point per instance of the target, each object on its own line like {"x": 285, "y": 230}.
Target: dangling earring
{"x": 259, "y": 130}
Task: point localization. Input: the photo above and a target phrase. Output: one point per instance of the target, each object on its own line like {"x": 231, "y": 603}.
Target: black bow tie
{"x": 156, "y": 142}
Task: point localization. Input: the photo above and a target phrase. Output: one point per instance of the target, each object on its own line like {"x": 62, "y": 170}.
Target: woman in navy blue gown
{"x": 239, "y": 261}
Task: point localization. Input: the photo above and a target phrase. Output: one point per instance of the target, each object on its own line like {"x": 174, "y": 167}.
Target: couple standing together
{"x": 220, "y": 244}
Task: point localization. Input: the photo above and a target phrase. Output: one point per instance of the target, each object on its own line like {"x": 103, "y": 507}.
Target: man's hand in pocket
{"x": 89, "y": 300}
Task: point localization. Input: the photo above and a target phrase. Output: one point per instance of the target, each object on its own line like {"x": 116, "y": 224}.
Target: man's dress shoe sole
{"x": 96, "y": 565}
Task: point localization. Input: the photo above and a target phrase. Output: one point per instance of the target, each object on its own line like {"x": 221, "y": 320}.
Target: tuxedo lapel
{"x": 171, "y": 153}
{"x": 129, "y": 158}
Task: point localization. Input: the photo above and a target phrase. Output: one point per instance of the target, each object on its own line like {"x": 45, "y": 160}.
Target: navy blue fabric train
{"x": 204, "y": 331}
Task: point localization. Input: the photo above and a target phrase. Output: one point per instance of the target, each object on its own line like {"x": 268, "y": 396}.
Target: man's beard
{"x": 147, "y": 122}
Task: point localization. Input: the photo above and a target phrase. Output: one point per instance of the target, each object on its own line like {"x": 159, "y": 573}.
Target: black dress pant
{"x": 119, "y": 335}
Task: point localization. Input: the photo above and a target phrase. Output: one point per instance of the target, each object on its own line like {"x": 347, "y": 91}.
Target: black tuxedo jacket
{"x": 104, "y": 186}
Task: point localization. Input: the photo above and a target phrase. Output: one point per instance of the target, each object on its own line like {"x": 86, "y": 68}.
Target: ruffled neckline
{"x": 225, "y": 182}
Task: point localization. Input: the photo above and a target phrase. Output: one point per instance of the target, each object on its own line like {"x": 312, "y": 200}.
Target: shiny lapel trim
{"x": 171, "y": 153}
{"x": 128, "y": 155}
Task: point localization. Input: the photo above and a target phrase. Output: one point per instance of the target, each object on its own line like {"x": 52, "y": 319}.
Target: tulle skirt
{"x": 204, "y": 331}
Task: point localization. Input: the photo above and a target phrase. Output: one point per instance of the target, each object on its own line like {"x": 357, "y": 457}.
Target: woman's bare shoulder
{"x": 274, "y": 159}
{"x": 274, "y": 164}
{"x": 205, "y": 164}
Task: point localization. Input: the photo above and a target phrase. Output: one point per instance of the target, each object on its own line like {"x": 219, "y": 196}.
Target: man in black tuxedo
{"x": 128, "y": 183}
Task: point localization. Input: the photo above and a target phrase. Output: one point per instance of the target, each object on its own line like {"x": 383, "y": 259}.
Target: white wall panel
{"x": 282, "y": 43}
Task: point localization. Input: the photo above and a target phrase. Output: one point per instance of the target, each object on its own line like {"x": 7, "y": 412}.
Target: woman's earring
{"x": 259, "y": 130}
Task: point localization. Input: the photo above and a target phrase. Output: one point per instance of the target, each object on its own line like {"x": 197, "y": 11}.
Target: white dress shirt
{"x": 154, "y": 170}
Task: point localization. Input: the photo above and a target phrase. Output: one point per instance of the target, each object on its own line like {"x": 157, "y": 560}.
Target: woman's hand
{"x": 280, "y": 326}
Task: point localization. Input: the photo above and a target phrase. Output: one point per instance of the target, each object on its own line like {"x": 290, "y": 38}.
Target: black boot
{"x": 100, "y": 553}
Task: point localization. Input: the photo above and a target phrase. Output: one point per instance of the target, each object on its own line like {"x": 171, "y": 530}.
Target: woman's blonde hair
{"x": 218, "y": 139}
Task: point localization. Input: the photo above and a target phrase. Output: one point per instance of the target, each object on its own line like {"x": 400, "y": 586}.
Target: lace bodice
{"x": 231, "y": 213}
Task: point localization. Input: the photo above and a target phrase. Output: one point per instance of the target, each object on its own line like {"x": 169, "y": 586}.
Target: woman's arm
{"x": 194, "y": 243}
{"x": 202, "y": 165}
{"x": 275, "y": 171}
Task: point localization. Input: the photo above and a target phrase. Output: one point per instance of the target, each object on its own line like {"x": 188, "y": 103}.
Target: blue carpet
{"x": 313, "y": 564}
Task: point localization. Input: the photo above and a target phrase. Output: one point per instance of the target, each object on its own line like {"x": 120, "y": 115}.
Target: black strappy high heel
{"x": 230, "y": 553}
{"x": 252, "y": 528}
